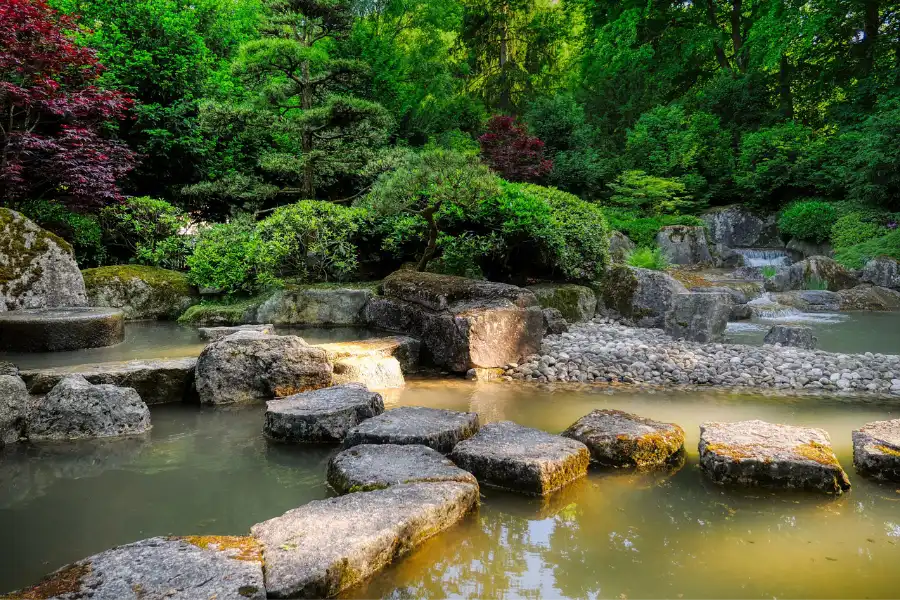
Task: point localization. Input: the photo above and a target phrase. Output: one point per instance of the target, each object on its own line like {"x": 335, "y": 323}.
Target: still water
{"x": 611, "y": 535}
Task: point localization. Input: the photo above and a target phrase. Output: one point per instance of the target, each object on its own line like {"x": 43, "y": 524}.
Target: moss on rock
{"x": 576, "y": 303}
{"x": 233, "y": 312}
{"x": 141, "y": 292}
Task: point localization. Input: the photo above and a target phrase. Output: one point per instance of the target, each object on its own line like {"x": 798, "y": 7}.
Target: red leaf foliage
{"x": 52, "y": 113}
{"x": 508, "y": 149}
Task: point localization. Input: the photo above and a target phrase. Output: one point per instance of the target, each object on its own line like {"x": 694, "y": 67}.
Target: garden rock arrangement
{"x": 76, "y": 409}
{"x": 13, "y": 404}
{"x": 141, "y": 292}
{"x": 462, "y": 323}
{"x": 376, "y": 466}
{"x": 684, "y": 245}
{"x": 323, "y": 416}
{"x": 521, "y": 459}
{"x": 60, "y": 329}
{"x": 327, "y": 546}
{"x": 815, "y": 268}
{"x": 760, "y": 454}
{"x": 249, "y": 366}
{"x": 220, "y": 567}
{"x": 322, "y": 304}
{"x": 882, "y": 271}
{"x": 642, "y": 295}
{"x": 607, "y": 351}
{"x": 575, "y": 303}
{"x": 791, "y": 335}
{"x": 213, "y": 334}
{"x": 699, "y": 317}
{"x": 619, "y": 439}
{"x": 157, "y": 381}
{"x": 439, "y": 429}
{"x": 876, "y": 450}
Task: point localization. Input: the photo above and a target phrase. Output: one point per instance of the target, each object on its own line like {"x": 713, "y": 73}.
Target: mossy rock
{"x": 576, "y": 303}
{"x": 141, "y": 292}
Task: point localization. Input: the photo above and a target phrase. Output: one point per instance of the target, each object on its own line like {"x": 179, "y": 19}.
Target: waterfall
{"x": 764, "y": 258}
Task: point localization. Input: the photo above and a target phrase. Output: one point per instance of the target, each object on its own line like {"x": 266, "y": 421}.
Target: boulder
{"x": 791, "y": 335}
{"x": 37, "y": 268}
{"x": 433, "y": 427}
{"x": 141, "y": 292}
{"x": 157, "y": 381}
{"x": 213, "y": 334}
{"x": 619, "y": 439}
{"x": 869, "y": 297}
{"x": 576, "y": 303}
{"x": 554, "y": 323}
{"x": 876, "y": 450}
{"x": 737, "y": 227}
{"x": 620, "y": 246}
{"x": 698, "y": 317}
{"x": 321, "y": 416}
{"x": 805, "y": 249}
{"x": 377, "y": 466}
{"x": 810, "y": 300}
{"x": 371, "y": 371}
{"x": 250, "y": 366}
{"x": 13, "y": 406}
{"x": 684, "y": 245}
{"x": 521, "y": 459}
{"x": 736, "y": 295}
{"x": 327, "y": 546}
{"x": 174, "y": 568}
{"x": 462, "y": 323}
{"x": 60, "y": 329}
{"x": 400, "y": 347}
{"x": 816, "y": 270}
{"x": 882, "y": 271}
{"x": 318, "y": 304}
{"x": 77, "y": 409}
{"x": 760, "y": 454}
{"x": 740, "y": 312}
{"x": 642, "y": 295}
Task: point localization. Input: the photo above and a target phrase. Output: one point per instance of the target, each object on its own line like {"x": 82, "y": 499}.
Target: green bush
{"x": 648, "y": 258}
{"x": 636, "y": 190}
{"x": 147, "y": 231}
{"x": 855, "y": 228}
{"x": 82, "y": 231}
{"x": 642, "y": 230}
{"x": 855, "y": 257}
{"x": 808, "y": 220}
{"x": 226, "y": 257}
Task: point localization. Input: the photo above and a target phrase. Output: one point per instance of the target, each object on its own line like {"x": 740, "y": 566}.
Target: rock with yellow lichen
{"x": 760, "y": 454}
{"x": 619, "y": 439}
{"x": 876, "y": 450}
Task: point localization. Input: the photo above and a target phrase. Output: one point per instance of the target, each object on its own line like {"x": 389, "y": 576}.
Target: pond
{"x": 610, "y": 535}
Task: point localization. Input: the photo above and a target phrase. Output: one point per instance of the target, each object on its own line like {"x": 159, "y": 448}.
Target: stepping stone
{"x": 327, "y": 546}
{"x": 323, "y": 416}
{"x": 372, "y": 371}
{"x": 876, "y": 450}
{"x": 376, "y": 466}
{"x": 521, "y": 459}
{"x": 217, "y": 333}
{"x": 620, "y": 439}
{"x": 760, "y": 454}
{"x": 189, "y": 568}
{"x": 432, "y": 427}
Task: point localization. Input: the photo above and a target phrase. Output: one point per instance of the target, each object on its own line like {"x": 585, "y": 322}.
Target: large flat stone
{"x": 157, "y": 381}
{"x": 327, "y": 546}
{"x": 189, "y": 568}
{"x": 760, "y": 454}
{"x": 371, "y": 371}
{"x": 876, "y": 450}
{"x": 403, "y": 348}
{"x": 376, "y": 466}
{"x": 513, "y": 457}
{"x": 433, "y": 427}
{"x": 60, "y": 329}
{"x": 619, "y": 439}
{"x": 217, "y": 333}
{"x": 321, "y": 416}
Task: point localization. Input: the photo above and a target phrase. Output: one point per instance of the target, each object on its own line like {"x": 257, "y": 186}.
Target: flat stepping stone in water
{"x": 217, "y": 333}
{"x": 876, "y": 450}
{"x": 323, "y": 416}
{"x": 432, "y": 427}
{"x": 620, "y": 439}
{"x": 760, "y": 454}
{"x": 521, "y": 459}
{"x": 376, "y": 466}
{"x": 327, "y": 546}
{"x": 189, "y": 568}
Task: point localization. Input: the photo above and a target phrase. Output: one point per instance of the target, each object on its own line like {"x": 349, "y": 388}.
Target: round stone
{"x": 376, "y": 466}
{"x": 432, "y": 427}
{"x": 60, "y": 329}
{"x": 619, "y": 439}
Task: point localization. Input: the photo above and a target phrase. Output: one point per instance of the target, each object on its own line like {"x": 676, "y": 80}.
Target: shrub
{"x": 82, "y": 231}
{"x": 648, "y": 258}
{"x": 855, "y": 257}
{"x": 854, "y": 228}
{"x": 147, "y": 231}
{"x": 226, "y": 257}
{"x": 768, "y": 271}
{"x": 635, "y": 190}
{"x": 642, "y": 230}
{"x": 808, "y": 220}
{"x": 510, "y": 151}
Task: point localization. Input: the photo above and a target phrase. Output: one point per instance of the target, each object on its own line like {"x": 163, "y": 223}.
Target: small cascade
{"x": 765, "y": 307}
{"x": 764, "y": 257}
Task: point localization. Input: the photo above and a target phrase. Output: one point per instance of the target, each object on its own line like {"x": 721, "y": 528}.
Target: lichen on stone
{"x": 65, "y": 581}
{"x": 817, "y": 452}
{"x": 237, "y": 547}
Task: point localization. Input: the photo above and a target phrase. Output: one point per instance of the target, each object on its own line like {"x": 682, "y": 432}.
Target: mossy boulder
{"x": 141, "y": 292}
{"x": 620, "y": 246}
{"x": 642, "y": 295}
{"x": 869, "y": 297}
{"x": 735, "y": 226}
{"x": 684, "y": 245}
{"x": 883, "y": 271}
{"x": 619, "y": 439}
{"x": 812, "y": 272}
{"x": 576, "y": 303}
{"x": 37, "y": 268}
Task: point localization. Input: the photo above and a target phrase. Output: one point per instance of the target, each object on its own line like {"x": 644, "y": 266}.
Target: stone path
{"x": 324, "y": 416}
{"x": 432, "y": 427}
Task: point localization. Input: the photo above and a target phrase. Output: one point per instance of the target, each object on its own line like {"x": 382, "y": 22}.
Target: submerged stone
{"x": 436, "y": 428}
{"x": 60, "y": 329}
{"x": 521, "y": 459}
{"x": 188, "y": 568}
{"x": 876, "y": 450}
{"x": 327, "y": 546}
{"x": 323, "y": 416}
{"x": 760, "y": 454}
{"x": 620, "y": 439}
{"x": 217, "y": 333}
{"x": 376, "y": 466}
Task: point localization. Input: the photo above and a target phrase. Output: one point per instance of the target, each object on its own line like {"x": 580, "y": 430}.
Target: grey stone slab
{"x": 321, "y": 416}
{"x": 620, "y": 439}
{"x": 60, "y": 329}
{"x": 217, "y": 333}
{"x": 432, "y": 427}
{"x": 876, "y": 450}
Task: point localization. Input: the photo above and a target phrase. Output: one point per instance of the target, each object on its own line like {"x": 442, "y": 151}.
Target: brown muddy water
{"x": 610, "y": 535}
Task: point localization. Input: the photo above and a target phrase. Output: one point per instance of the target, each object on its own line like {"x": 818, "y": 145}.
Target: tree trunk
{"x": 737, "y": 39}
{"x": 870, "y": 31}
{"x": 784, "y": 88}
{"x": 505, "y": 100}
{"x": 711, "y": 17}
{"x": 431, "y": 248}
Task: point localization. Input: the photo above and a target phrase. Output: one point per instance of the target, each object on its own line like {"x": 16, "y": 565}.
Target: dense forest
{"x": 323, "y": 140}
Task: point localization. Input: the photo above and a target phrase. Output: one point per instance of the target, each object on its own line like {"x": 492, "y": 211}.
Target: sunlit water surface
{"x": 611, "y": 535}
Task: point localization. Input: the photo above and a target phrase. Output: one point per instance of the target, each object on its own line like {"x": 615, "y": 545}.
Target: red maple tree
{"x": 52, "y": 113}
{"x": 508, "y": 149}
